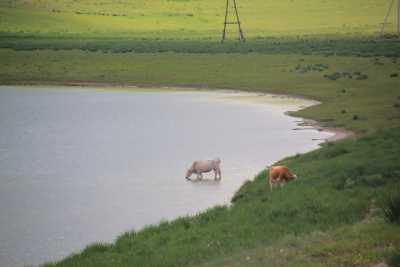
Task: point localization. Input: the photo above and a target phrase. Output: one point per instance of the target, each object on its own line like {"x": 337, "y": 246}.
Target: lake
{"x": 82, "y": 165}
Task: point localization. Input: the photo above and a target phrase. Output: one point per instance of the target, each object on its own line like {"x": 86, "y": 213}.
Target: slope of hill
{"x": 190, "y": 19}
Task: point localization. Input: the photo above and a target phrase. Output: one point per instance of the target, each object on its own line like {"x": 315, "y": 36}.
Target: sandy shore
{"x": 294, "y": 103}
{"x": 338, "y": 133}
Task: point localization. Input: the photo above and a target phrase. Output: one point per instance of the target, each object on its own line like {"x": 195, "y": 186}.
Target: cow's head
{"x": 189, "y": 173}
{"x": 291, "y": 177}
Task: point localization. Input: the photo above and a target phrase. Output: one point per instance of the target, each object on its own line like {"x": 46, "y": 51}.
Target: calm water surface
{"x": 80, "y": 165}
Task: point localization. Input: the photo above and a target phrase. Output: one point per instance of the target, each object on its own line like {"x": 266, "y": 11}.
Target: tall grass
{"x": 391, "y": 206}
{"x": 322, "y": 45}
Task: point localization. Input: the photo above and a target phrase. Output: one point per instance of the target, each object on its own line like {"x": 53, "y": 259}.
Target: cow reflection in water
{"x": 202, "y": 166}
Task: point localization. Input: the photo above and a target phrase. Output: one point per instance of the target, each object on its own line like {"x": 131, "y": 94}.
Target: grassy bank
{"x": 351, "y": 245}
{"x": 325, "y": 50}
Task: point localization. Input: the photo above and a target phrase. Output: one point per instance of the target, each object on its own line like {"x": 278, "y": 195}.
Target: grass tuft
{"x": 391, "y": 207}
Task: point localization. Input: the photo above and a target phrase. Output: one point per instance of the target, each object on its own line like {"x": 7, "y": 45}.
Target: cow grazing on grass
{"x": 202, "y": 166}
{"x": 280, "y": 175}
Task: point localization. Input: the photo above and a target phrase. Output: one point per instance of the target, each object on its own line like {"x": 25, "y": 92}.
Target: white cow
{"x": 201, "y": 166}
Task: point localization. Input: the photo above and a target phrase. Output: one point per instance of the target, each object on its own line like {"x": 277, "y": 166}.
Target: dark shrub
{"x": 362, "y": 77}
{"x": 391, "y": 207}
{"x": 394, "y": 260}
{"x": 373, "y": 180}
{"x": 335, "y": 152}
{"x": 97, "y": 248}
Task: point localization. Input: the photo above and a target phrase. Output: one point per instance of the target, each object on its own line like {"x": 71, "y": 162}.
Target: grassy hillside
{"x": 326, "y": 50}
{"x": 193, "y": 26}
{"x": 352, "y": 245}
{"x": 190, "y": 19}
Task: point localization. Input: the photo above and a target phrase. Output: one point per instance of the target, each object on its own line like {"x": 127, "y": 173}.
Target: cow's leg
{"x": 271, "y": 183}
{"x": 270, "y": 179}
{"x": 280, "y": 180}
{"x": 217, "y": 174}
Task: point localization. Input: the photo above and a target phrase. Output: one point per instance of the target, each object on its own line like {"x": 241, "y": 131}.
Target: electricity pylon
{"x": 385, "y": 22}
{"x": 236, "y": 21}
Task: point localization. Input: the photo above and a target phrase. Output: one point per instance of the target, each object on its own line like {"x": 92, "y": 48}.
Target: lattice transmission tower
{"x": 235, "y": 21}
{"x": 385, "y": 22}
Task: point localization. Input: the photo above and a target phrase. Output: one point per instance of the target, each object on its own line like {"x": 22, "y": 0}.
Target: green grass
{"x": 192, "y": 26}
{"x": 327, "y": 45}
{"x": 391, "y": 206}
{"x": 326, "y": 50}
{"x": 193, "y": 19}
{"x": 351, "y": 245}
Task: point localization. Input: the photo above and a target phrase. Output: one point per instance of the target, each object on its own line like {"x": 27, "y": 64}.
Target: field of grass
{"x": 191, "y": 19}
{"x": 321, "y": 49}
{"x": 351, "y": 245}
{"x": 193, "y": 26}
{"x": 327, "y": 46}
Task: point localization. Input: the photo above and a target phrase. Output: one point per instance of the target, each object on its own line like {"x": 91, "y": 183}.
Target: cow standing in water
{"x": 202, "y": 166}
{"x": 280, "y": 175}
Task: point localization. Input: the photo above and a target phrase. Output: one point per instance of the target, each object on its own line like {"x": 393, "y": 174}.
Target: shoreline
{"x": 223, "y": 96}
{"x": 338, "y": 133}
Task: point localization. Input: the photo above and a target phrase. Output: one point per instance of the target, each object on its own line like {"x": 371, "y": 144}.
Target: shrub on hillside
{"x": 394, "y": 260}
{"x": 391, "y": 207}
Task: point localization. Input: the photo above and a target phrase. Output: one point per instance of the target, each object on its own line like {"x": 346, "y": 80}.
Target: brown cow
{"x": 280, "y": 175}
